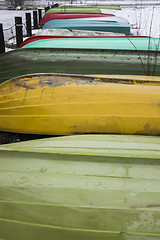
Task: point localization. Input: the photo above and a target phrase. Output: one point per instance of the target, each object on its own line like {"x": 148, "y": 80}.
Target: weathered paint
{"x": 81, "y": 187}
{"x": 74, "y": 33}
{"x": 64, "y": 104}
{"x": 78, "y": 61}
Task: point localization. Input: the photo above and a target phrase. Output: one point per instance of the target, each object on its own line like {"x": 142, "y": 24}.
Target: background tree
{"x": 16, "y": 3}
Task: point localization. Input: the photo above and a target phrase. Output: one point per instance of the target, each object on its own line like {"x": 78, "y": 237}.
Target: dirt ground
{"x": 6, "y": 137}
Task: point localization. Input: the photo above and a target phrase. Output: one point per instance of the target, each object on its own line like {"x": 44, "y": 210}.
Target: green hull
{"x": 81, "y": 9}
{"x": 81, "y": 187}
{"x": 74, "y": 10}
{"x": 116, "y": 43}
{"x": 114, "y": 7}
{"x": 78, "y": 61}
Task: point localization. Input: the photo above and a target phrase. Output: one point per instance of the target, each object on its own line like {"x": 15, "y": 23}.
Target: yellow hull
{"x": 70, "y": 104}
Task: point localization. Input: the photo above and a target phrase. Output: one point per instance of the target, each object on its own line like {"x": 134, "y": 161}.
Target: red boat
{"x": 56, "y": 16}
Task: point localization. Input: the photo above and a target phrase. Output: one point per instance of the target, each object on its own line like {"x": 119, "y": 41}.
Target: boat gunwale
{"x": 84, "y": 50}
{"x": 42, "y": 37}
{"x": 114, "y": 79}
{"x": 125, "y": 158}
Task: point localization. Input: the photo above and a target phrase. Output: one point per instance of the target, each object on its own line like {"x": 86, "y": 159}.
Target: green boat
{"x": 83, "y": 187}
{"x": 113, "y": 7}
{"x": 82, "y": 9}
{"x": 116, "y": 43}
{"x": 78, "y": 61}
{"x": 75, "y": 10}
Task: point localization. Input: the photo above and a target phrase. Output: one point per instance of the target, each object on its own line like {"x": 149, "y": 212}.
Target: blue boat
{"x": 90, "y": 25}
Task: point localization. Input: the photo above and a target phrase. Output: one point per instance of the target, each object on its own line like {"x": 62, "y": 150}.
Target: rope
{"x": 9, "y": 27}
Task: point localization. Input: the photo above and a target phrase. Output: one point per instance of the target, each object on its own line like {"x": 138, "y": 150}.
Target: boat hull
{"x": 89, "y": 25}
{"x": 66, "y": 104}
{"x": 94, "y": 42}
{"x": 82, "y": 35}
{"x": 78, "y": 61}
{"x": 80, "y": 187}
{"x": 54, "y": 16}
{"x": 84, "y": 9}
{"x": 75, "y": 10}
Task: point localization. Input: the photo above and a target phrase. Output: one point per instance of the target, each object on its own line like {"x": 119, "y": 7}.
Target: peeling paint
{"x": 71, "y": 104}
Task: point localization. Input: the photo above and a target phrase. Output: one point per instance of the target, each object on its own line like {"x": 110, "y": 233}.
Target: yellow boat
{"x": 75, "y": 104}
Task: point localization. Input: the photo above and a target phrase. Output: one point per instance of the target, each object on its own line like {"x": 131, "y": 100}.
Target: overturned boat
{"x": 75, "y": 10}
{"x": 55, "y": 16}
{"x": 60, "y": 104}
{"x": 81, "y": 187}
{"x": 135, "y": 43}
{"x": 83, "y": 56}
{"x": 108, "y": 41}
{"x": 82, "y": 9}
{"x": 110, "y": 24}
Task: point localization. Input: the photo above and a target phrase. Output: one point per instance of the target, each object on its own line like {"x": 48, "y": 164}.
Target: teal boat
{"x": 90, "y": 25}
{"x": 116, "y": 43}
{"x": 78, "y": 61}
{"x": 81, "y": 187}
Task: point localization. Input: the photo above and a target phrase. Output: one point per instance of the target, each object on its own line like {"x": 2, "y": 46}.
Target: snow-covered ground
{"x": 144, "y": 20}
{"x": 7, "y": 18}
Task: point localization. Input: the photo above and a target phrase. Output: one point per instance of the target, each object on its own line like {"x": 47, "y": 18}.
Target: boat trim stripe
{"x": 80, "y": 230}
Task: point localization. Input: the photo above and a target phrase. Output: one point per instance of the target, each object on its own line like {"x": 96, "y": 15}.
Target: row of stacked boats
{"x": 90, "y": 19}
{"x": 83, "y": 75}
